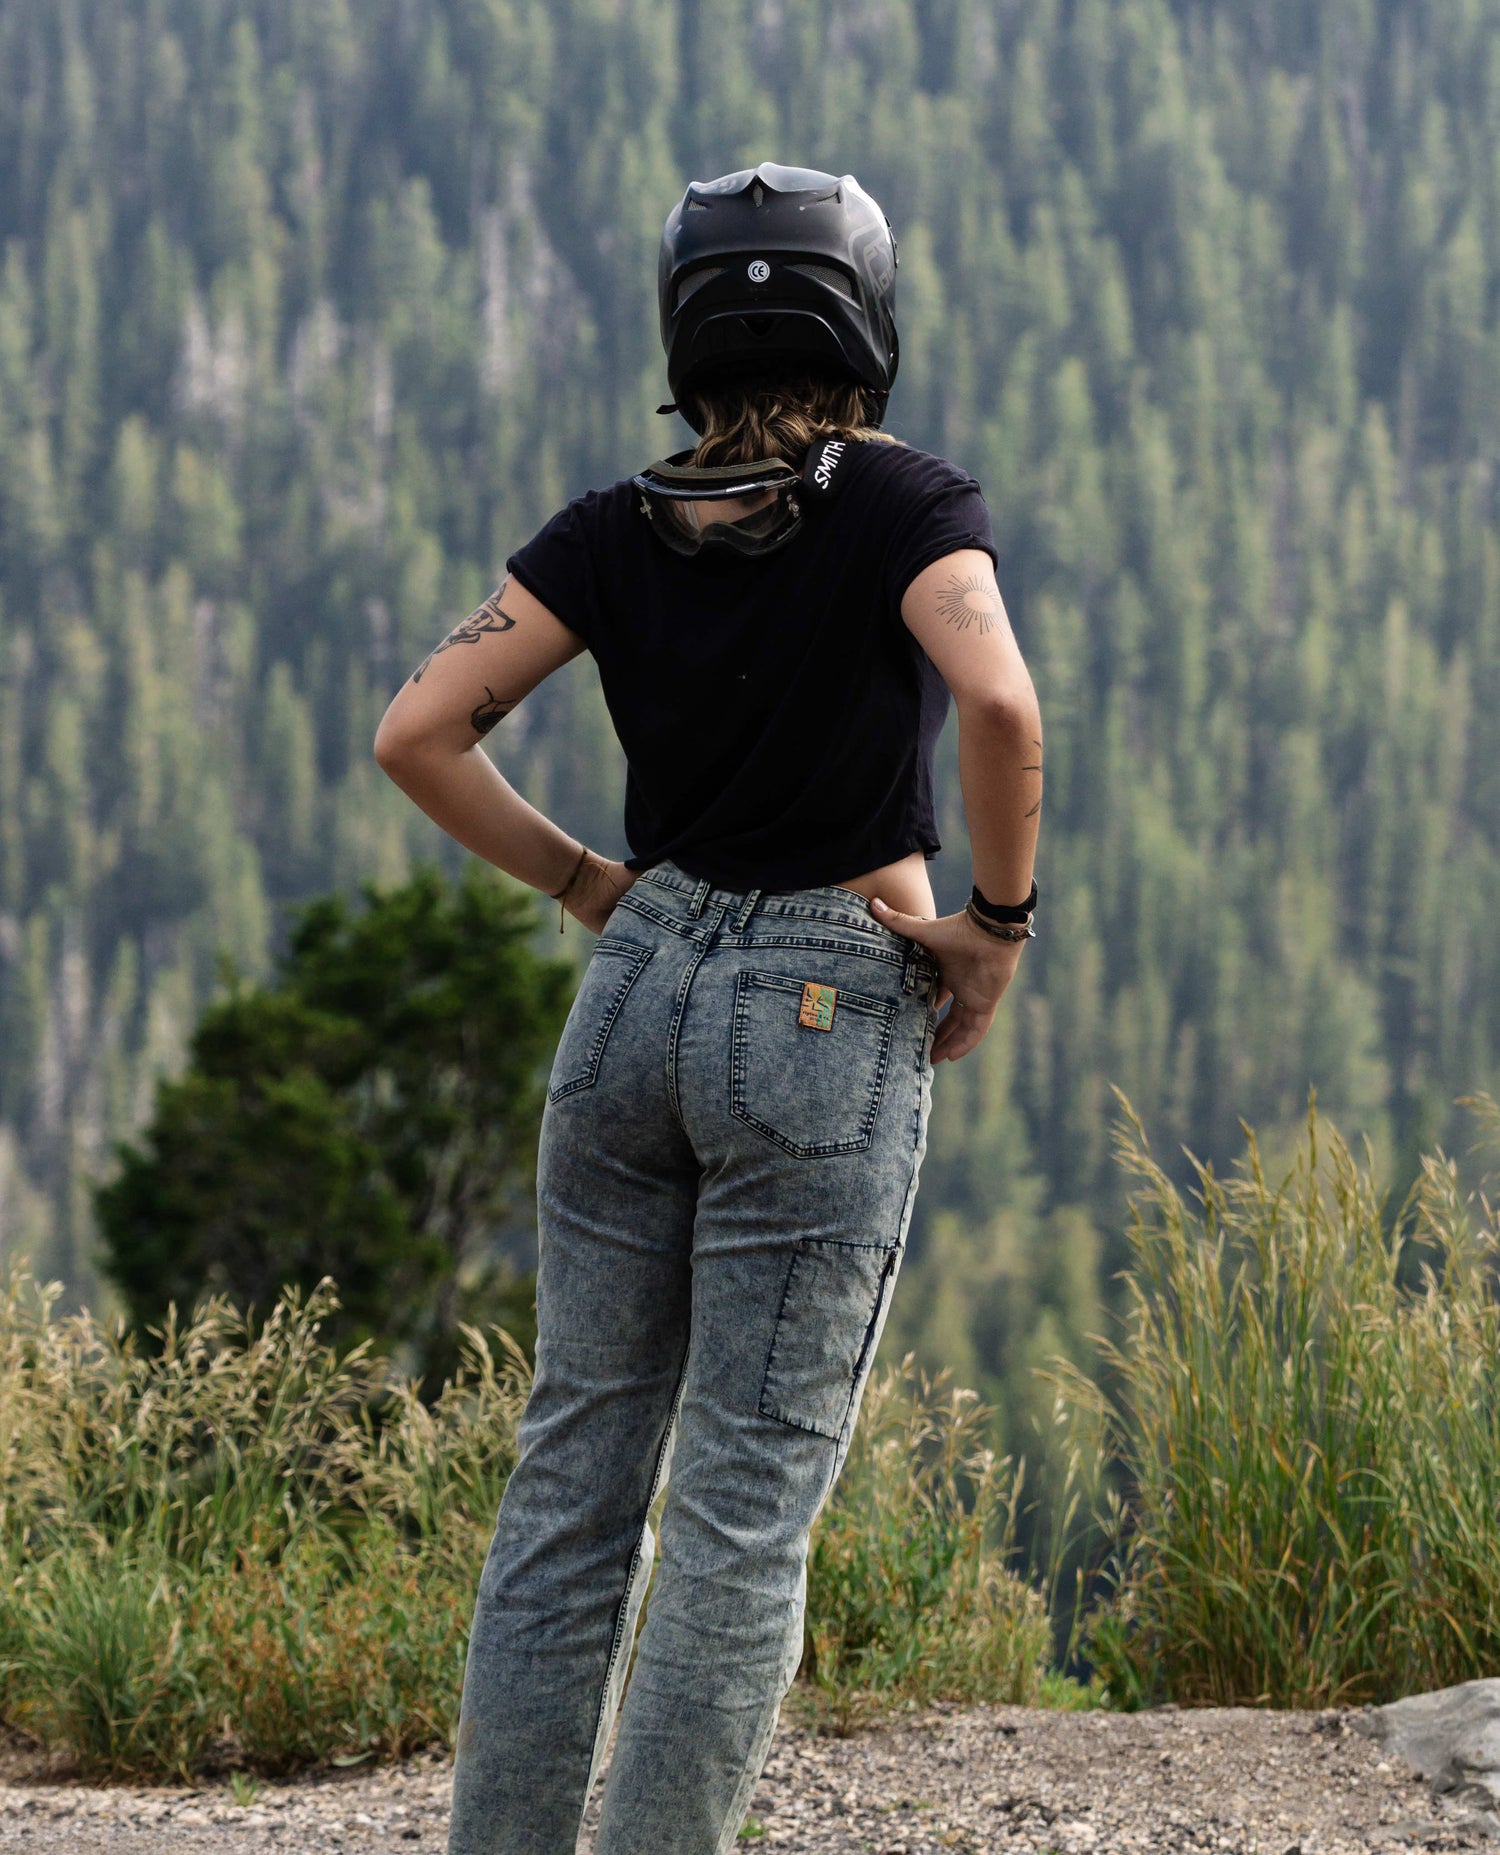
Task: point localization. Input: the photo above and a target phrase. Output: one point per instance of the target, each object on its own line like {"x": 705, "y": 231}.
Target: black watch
{"x": 996, "y": 911}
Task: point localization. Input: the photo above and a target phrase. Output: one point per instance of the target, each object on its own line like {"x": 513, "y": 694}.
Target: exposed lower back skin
{"x": 904, "y": 884}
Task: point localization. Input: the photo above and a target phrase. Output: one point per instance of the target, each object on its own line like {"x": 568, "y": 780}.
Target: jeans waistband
{"x": 693, "y": 900}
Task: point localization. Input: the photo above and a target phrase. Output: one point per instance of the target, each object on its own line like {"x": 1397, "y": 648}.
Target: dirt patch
{"x": 1006, "y": 1780}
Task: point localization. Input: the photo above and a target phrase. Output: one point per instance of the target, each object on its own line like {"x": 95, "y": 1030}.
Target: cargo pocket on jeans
{"x": 812, "y": 1091}
{"x": 612, "y": 971}
{"x": 824, "y": 1330}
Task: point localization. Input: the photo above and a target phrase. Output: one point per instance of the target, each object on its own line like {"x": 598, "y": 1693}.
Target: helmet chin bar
{"x": 761, "y": 504}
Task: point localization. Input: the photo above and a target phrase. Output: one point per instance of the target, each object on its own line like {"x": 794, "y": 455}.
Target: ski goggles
{"x": 751, "y": 508}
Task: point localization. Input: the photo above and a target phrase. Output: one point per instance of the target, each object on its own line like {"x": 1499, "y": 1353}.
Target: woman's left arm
{"x": 429, "y": 743}
{"x": 954, "y": 610}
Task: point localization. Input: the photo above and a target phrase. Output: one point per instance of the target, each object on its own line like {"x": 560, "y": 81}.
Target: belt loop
{"x": 700, "y": 896}
{"x": 743, "y": 913}
{"x": 909, "y": 968}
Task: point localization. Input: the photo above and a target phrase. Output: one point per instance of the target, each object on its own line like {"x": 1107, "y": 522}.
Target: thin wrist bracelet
{"x": 995, "y": 929}
{"x": 1002, "y": 912}
{"x": 560, "y": 896}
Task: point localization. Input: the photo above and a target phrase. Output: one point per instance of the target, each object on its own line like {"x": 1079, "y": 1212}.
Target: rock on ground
{"x": 1007, "y": 1780}
{"x": 1452, "y": 1736}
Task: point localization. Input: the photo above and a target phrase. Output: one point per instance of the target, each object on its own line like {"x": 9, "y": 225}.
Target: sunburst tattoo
{"x": 970, "y": 600}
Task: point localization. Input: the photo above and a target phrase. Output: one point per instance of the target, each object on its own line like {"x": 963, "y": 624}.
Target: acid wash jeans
{"x": 729, "y": 1153}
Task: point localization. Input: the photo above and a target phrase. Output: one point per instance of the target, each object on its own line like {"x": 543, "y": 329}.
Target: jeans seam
{"x": 861, "y": 1002}
{"x": 695, "y": 960}
{"x": 872, "y": 943}
{"x": 684, "y": 930}
{"x": 887, "y": 1270}
{"x": 637, "y": 960}
{"x": 888, "y": 943}
{"x": 898, "y": 1250}
{"x": 635, "y": 1556}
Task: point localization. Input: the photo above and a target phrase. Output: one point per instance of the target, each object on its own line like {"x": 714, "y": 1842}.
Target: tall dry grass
{"x": 1304, "y": 1412}
{"x": 240, "y": 1549}
{"x": 243, "y": 1549}
{"x": 911, "y": 1594}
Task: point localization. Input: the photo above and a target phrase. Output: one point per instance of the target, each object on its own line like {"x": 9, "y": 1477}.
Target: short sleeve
{"x": 935, "y": 509}
{"x": 557, "y": 566}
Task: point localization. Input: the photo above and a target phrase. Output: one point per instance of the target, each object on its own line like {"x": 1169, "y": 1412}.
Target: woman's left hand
{"x": 600, "y": 884}
{"x": 974, "y": 970}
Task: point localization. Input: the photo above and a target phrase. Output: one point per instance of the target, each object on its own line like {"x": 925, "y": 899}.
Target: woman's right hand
{"x": 974, "y": 970}
{"x": 600, "y": 883}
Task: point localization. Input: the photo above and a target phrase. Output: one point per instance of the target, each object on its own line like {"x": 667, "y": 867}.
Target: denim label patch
{"x": 818, "y": 1002}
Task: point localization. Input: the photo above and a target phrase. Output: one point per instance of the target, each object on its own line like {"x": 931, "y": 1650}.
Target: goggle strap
{"x": 822, "y": 469}
{"x": 711, "y": 482}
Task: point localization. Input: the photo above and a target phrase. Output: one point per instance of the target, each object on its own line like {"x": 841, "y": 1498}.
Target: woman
{"x": 738, "y": 1107}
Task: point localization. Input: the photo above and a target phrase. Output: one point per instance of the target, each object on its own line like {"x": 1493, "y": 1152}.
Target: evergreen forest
{"x": 311, "y": 312}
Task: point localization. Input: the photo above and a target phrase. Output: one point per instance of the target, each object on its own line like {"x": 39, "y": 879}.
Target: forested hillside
{"x": 309, "y": 312}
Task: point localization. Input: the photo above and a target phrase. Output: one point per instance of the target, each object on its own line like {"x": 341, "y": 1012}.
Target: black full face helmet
{"x": 776, "y": 266}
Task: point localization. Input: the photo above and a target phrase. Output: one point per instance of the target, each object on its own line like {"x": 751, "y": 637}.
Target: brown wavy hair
{"x": 745, "y": 421}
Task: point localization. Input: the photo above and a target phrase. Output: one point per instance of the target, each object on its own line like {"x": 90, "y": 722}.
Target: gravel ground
{"x": 976, "y": 1780}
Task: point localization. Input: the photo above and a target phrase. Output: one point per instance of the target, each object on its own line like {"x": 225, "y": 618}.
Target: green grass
{"x": 243, "y": 1552}
{"x": 1304, "y": 1415}
{"x": 240, "y": 1551}
{"x": 910, "y": 1593}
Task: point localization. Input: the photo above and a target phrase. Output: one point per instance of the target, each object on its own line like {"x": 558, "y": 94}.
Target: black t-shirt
{"x": 778, "y": 719}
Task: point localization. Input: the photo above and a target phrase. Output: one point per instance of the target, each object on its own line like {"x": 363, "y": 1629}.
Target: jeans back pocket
{"x": 612, "y": 970}
{"x": 813, "y": 1089}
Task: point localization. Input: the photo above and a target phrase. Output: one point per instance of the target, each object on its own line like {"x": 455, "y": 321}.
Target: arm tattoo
{"x": 491, "y": 616}
{"x": 1035, "y": 766}
{"x": 494, "y": 708}
{"x": 969, "y": 599}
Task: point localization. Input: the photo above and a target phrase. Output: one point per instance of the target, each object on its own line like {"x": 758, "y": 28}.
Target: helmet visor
{"x": 748, "y": 508}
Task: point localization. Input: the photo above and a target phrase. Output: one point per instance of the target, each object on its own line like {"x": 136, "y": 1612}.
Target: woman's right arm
{"x": 429, "y": 738}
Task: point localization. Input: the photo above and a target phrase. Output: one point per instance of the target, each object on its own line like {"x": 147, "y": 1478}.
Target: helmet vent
{"x": 695, "y": 205}
{"x": 757, "y": 193}
{"x": 827, "y": 275}
{"x": 695, "y": 280}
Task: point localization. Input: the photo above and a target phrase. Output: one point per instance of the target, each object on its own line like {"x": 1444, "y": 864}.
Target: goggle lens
{"x": 750, "y": 511}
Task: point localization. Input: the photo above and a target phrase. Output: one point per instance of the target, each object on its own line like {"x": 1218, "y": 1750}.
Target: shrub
{"x": 245, "y": 1548}
{"x": 371, "y": 1115}
{"x": 329, "y": 1654}
{"x": 242, "y": 1547}
{"x": 910, "y": 1596}
{"x": 1304, "y": 1415}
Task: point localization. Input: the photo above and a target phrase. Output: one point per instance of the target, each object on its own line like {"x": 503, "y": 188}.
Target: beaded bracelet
{"x": 560, "y": 896}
